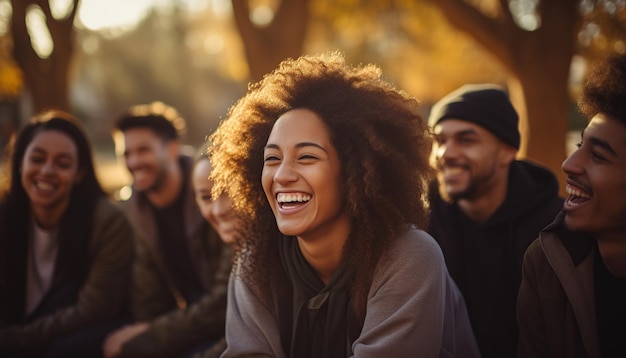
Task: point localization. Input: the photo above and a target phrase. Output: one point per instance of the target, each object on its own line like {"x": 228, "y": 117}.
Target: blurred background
{"x": 96, "y": 58}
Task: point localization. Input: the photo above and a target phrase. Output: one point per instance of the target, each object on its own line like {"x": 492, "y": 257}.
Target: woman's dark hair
{"x": 382, "y": 142}
{"x": 75, "y": 227}
{"x": 604, "y": 91}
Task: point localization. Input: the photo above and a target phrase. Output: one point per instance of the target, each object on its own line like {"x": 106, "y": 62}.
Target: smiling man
{"x": 572, "y": 302}
{"x": 182, "y": 266}
{"x": 488, "y": 207}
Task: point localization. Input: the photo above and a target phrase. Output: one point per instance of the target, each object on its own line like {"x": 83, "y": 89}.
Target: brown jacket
{"x": 176, "y": 325}
{"x": 555, "y": 306}
{"x": 104, "y": 294}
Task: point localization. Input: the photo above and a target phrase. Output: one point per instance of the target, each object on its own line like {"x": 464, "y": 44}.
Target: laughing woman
{"x": 65, "y": 251}
{"x": 328, "y": 165}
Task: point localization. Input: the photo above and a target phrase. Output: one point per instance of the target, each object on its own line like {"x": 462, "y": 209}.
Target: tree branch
{"x": 22, "y": 43}
{"x": 498, "y": 35}
{"x": 288, "y": 19}
{"x": 553, "y": 15}
{"x": 241, "y": 13}
{"x": 506, "y": 12}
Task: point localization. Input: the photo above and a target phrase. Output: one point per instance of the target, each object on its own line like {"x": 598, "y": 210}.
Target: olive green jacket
{"x": 103, "y": 296}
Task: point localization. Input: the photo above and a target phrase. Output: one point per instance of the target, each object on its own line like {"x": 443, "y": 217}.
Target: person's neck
{"x": 169, "y": 190}
{"x": 324, "y": 252}
{"x": 48, "y": 218}
{"x": 483, "y": 206}
{"x": 612, "y": 248}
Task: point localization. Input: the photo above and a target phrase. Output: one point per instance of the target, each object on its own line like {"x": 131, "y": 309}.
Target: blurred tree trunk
{"x": 45, "y": 78}
{"x": 540, "y": 63}
{"x": 282, "y": 38}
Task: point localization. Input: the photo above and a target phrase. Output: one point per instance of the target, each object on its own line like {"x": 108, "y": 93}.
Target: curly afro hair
{"x": 605, "y": 89}
{"x": 383, "y": 145}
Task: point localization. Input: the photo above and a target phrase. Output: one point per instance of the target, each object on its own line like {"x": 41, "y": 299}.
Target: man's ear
{"x": 173, "y": 149}
{"x": 507, "y": 154}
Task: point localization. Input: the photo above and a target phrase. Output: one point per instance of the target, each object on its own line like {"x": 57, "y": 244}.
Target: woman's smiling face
{"x": 218, "y": 212}
{"x": 49, "y": 170}
{"x": 302, "y": 177}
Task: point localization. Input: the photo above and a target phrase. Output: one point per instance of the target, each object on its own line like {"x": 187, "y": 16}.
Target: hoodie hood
{"x": 531, "y": 187}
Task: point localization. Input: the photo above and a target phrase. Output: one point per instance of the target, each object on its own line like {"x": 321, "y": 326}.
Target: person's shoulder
{"x": 535, "y": 176}
{"x": 245, "y": 293}
{"x": 414, "y": 256}
{"x": 135, "y": 205}
{"x": 543, "y": 246}
{"x": 416, "y": 238}
{"x": 105, "y": 205}
{"x": 111, "y": 225}
{"x": 535, "y": 248}
{"x": 534, "y": 192}
{"x": 414, "y": 244}
{"x": 107, "y": 211}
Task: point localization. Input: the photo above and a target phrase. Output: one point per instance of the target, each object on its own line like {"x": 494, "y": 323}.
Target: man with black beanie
{"x": 486, "y": 207}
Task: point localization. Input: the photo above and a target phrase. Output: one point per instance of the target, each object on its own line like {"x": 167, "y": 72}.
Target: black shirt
{"x": 175, "y": 248}
{"x": 610, "y": 294}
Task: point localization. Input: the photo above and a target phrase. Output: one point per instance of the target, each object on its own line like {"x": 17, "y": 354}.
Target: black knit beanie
{"x": 484, "y": 104}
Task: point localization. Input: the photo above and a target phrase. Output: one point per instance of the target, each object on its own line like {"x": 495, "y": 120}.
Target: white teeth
{"x": 452, "y": 170}
{"x": 44, "y": 186}
{"x": 575, "y": 192}
{"x": 290, "y": 198}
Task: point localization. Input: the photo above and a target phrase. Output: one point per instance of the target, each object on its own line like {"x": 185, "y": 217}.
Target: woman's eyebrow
{"x": 299, "y": 145}
{"x": 310, "y": 144}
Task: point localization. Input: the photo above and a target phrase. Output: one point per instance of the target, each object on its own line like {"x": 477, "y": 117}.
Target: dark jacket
{"x": 485, "y": 259}
{"x": 555, "y": 307}
{"x": 176, "y": 325}
{"x": 103, "y": 296}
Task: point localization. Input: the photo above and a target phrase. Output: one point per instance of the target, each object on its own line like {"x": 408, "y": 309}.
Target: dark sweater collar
{"x": 323, "y": 322}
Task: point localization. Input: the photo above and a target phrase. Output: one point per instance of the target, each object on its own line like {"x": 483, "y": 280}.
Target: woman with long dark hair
{"x": 65, "y": 250}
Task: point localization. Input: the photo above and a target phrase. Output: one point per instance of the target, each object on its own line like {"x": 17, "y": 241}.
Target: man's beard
{"x": 469, "y": 193}
{"x": 478, "y": 184}
{"x": 158, "y": 183}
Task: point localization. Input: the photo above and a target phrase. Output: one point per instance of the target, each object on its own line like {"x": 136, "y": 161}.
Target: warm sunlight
{"x": 39, "y": 33}
{"x": 99, "y": 15}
